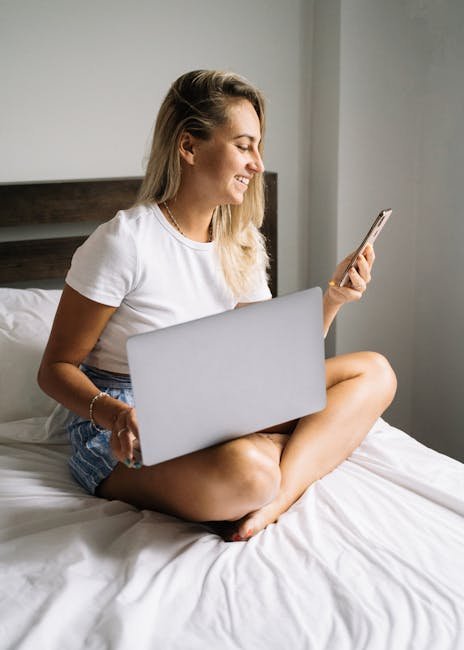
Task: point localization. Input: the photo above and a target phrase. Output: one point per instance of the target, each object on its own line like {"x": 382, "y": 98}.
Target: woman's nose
{"x": 257, "y": 163}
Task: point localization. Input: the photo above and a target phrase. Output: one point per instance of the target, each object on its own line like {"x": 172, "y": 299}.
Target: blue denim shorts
{"x": 92, "y": 459}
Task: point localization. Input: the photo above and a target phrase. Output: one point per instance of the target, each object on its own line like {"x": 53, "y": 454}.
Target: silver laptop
{"x": 209, "y": 380}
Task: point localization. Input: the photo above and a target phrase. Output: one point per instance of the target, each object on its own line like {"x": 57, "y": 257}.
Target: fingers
{"x": 359, "y": 277}
{"x": 369, "y": 254}
{"x": 341, "y": 295}
{"x": 356, "y": 286}
{"x": 363, "y": 269}
{"x": 358, "y": 283}
{"x": 124, "y": 438}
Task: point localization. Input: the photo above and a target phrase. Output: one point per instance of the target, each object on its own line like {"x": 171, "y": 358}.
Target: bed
{"x": 371, "y": 556}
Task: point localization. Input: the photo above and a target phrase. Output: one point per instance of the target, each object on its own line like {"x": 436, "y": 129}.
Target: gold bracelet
{"x": 92, "y": 421}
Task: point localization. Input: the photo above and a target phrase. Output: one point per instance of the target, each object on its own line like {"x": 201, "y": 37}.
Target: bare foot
{"x": 248, "y": 526}
{"x": 253, "y": 522}
{"x": 256, "y": 521}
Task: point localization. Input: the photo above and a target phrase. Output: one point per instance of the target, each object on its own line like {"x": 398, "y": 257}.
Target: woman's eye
{"x": 243, "y": 147}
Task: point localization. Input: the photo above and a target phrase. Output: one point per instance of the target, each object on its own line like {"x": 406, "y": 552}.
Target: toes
{"x": 246, "y": 534}
{"x": 244, "y": 537}
{"x": 248, "y": 528}
{"x": 230, "y": 531}
{"x": 237, "y": 531}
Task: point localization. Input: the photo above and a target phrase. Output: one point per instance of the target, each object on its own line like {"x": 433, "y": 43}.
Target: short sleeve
{"x": 259, "y": 289}
{"x": 104, "y": 268}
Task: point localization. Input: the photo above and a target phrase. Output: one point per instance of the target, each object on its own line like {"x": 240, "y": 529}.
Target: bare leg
{"x": 222, "y": 482}
{"x": 242, "y": 481}
{"x": 227, "y": 528}
{"x": 360, "y": 387}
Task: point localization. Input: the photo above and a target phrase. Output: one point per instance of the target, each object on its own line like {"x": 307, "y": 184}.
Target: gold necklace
{"x": 210, "y": 228}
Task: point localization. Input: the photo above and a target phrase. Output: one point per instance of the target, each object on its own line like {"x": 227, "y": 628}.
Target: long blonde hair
{"x": 198, "y": 102}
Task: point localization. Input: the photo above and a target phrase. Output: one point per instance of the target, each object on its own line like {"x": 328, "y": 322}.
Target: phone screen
{"x": 372, "y": 234}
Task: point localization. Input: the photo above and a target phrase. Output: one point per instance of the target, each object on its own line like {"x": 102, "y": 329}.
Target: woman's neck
{"x": 192, "y": 217}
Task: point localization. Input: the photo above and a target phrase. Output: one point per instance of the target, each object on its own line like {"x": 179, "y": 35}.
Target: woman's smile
{"x": 243, "y": 180}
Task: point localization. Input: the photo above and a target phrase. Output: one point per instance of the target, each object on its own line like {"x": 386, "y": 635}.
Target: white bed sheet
{"x": 371, "y": 557}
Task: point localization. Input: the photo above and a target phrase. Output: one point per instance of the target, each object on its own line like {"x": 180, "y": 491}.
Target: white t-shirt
{"x": 156, "y": 277}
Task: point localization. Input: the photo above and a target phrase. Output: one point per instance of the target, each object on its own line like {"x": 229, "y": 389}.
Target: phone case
{"x": 374, "y": 231}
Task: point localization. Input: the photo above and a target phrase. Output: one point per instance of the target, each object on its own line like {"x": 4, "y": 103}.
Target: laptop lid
{"x": 212, "y": 379}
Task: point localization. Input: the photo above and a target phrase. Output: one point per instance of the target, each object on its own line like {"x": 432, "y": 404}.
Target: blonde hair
{"x": 198, "y": 102}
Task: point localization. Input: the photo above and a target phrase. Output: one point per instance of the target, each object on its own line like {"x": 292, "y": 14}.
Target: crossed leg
{"x": 223, "y": 482}
{"x": 252, "y": 480}
{"x": 360, "y": 387}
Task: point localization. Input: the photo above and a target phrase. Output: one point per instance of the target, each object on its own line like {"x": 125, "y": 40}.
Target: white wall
{"x": 81, "y": 84}
{"x": 395, "y": 105}
{"x": 438, "y": 385}
{"x": 323, "y": 174}
{"x": 380, "y": 92}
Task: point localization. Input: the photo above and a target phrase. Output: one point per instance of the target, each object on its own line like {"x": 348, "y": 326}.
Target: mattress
{"x": 371, "y": 556}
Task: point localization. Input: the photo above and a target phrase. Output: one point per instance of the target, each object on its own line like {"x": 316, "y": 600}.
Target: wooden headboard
{"x": 32, "y": 215}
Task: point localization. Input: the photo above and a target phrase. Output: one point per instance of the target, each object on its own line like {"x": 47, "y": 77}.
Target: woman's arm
{"x": 336, "y": 296}
{"x": 77, "y": 326}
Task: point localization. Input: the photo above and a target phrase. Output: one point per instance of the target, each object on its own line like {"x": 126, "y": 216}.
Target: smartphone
{"x": 370, "y": 238}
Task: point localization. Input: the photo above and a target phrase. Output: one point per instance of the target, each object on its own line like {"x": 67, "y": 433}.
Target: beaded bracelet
{"x": 92, "y": 421}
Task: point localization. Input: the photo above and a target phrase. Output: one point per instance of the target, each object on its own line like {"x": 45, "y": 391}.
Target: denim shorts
{"x": 92, "y": 459}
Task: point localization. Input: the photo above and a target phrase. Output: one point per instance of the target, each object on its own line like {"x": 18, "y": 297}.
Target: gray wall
{"x": 82, "y": 82}
{"x": 324, "y": 129}
{"x": 438, "y": 362}
{"x": 378, "y": 145}
{"x": 387, "y": 131}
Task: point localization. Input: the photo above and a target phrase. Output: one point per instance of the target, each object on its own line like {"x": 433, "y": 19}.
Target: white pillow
{"x": 26, "y": 316}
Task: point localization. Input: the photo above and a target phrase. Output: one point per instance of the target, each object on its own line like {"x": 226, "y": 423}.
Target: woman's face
{"x": 224, "y": 165}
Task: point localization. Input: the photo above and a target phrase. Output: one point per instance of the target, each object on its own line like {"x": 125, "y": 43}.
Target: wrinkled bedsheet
{"x": 371, "y": 556}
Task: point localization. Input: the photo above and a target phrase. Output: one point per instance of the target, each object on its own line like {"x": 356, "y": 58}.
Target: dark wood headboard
{"x": 41, "y": 205}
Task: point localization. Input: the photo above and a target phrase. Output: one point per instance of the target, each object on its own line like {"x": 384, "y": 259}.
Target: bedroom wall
{"x": 324, "y": 129}
{"x": 380, "y": 93}
{"x": 437, "y": 396}
{"x": 394, "y": 105}
{"x": 81, "y": 84}
{"x": 362, "y": 160}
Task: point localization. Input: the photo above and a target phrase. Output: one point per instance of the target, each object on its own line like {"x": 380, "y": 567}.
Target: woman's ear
{"x": 186, "y": 147}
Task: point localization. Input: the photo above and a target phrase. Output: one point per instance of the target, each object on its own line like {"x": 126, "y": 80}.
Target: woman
{"x": 191, "y": 247}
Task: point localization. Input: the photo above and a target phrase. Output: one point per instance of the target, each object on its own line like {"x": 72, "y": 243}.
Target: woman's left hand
{"x": 359, "y": 278}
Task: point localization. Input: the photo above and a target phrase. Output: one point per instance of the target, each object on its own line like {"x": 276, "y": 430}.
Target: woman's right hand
{"x": 125, "y": 438}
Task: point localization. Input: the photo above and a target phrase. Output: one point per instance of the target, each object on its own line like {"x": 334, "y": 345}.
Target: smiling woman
{"x": 206, "y": 151}
{"x": 190, "y": 247}
{"x": 216, "y": 171}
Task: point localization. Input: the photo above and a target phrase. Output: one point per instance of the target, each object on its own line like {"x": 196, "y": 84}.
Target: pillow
{"x": 26, "y": 316}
